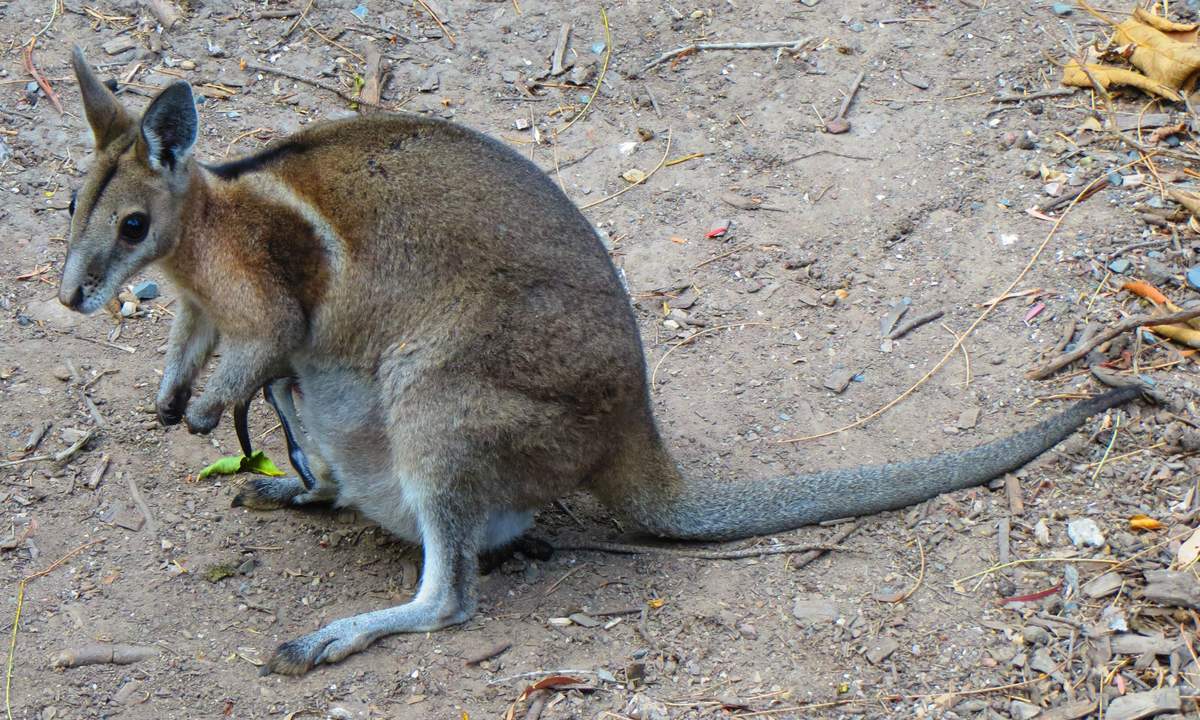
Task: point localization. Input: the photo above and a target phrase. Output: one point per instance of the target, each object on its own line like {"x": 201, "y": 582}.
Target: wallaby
{"x": 465, "y": 349}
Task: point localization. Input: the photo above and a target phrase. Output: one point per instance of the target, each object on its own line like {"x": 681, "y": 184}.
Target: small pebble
{"x": 147, "y": 290}
{"x": 1120, "y": 266}
{"x": 1115, "y": 179}
{"x": 1085, "y": 532}
{"x": 360, "y": 12}
{"x": 1193, "y": 278}
{"x": 128, "y": 309}
{"x": 1062, "y": 9}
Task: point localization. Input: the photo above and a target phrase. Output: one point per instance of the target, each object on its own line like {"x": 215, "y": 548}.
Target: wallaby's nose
{"x": 74, "y": 300}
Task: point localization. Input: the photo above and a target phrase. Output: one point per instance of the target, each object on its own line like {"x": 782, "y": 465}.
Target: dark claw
{"x": 172, "y": 414}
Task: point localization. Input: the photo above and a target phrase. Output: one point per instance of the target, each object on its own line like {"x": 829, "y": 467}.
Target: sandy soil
{"x": 922, "y": 200}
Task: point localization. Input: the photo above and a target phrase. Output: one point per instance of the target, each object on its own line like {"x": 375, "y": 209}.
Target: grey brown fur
{"x": 465, "y": 348}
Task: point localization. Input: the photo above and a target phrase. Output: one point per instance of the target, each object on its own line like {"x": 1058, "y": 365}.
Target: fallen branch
{"x": 103, "y": 654}
{"x": 1124, "y": 326}
{"x": 915, "y": 323}
{"x": 812, "y": 555}
{"x": 793, "y": 45}
{"x": 1016, "y": 97}
{"x": 315, "y": 83}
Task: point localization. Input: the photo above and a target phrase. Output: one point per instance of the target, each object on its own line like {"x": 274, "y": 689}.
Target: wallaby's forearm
{"x": 188, "y": 348}
{"x": 245, "y": 367}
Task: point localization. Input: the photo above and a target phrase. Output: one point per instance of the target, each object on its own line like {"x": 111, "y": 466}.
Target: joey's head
{"x": 127, "y": 212}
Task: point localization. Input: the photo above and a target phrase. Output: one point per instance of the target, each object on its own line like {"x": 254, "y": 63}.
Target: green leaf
{"x": 257, "y": 463}
{"x": 261, "y": 464}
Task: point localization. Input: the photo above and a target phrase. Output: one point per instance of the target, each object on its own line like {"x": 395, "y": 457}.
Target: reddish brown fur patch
{"x": 244, "y": 258}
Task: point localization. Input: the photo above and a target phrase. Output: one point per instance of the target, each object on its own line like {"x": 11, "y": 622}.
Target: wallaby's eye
{"x": 71, "y": 207}
{"x": 134, "y": 227}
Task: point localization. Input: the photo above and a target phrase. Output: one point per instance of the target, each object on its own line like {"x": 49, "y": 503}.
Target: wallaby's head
{"x": 127, "y": 213}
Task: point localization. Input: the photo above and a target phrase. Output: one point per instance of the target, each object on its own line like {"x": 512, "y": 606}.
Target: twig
{"x": 136, "y": 494}
{"x": 690, "y": 338}
{"x": 315, "y": 83}
{"x": 1108, "y": 450}
{"x": 623, "y": 549}
{"x": 793, "y": 45}
{"x": 839, "y": 124}
{"x": 715, "y": 258}
{"x": 835, "y": 540}
{"x": 643, "y": 181}
{"x": 1036, "y": 95}
{"x": 39, "y": 78}
{"x": 825, "y": 152}
{"x": 914, "y": 323}
{"x": 1086, "y": 192}
{"x": 438, "y": 20}
{"x": 560, "y": 50}
{"x": 65, "y": 455}
{"x": 292, "y": 28}
{"x": 966, "y": 355}
{"x": 16, "y": 623}
{"x": 920, "y": 574}
{"x": 1084, "y": 347}
{"x": 554, "y": 586}
{"x": 608, "y": 50}
{"x": 373, "y": 73}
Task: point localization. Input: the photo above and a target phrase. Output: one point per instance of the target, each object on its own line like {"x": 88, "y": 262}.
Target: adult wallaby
{"x": 465, "y": 348}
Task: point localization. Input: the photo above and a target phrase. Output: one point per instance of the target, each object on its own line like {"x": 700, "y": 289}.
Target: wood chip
{"x": 1143, "y": 705}
{"x": 558, "y": 64}
{"x": 1167, "y": 587}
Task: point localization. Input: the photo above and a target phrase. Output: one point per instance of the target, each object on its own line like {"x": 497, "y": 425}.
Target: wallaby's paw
{"x": 269, "y": 493}
{"x": 330, "y": 644}
{"x": 202, "y": 417}
{"x": 171, "y": 404}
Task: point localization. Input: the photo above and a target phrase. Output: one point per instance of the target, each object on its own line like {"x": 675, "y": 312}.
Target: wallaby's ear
{"x": 105, "y": 114}
{"x": 169, "y": 127}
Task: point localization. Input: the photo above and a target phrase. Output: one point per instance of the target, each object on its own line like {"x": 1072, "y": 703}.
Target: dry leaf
{"x": 1106, "y": 76}
{"x": 1189, "y": 550}
{"x": 656, "y": 603}
{"x": 1144, "y": 522}
{"x": 1167, "y": 63}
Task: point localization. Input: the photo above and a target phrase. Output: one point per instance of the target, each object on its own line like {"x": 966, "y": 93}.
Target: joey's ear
{"x": 105, "y": 114}
{"x": 169, "y": 128}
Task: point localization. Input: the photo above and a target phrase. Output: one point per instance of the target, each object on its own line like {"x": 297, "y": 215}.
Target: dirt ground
{"x": 922, "y": 200}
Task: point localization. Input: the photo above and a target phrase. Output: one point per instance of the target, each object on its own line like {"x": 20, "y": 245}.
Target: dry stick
{"x": 371, "y": 89}
{"x": 560, "y": 50}
{"x": 438, "y": 20}
{"x": 16, "y": 623}
{"x": 836, "y": 539}
{"x": 643, "y": 181}
{"x": 163, "y": 12}
{"x": 915, "y": 323}
{"x": 953, "y": 348}
{"x": 292, "y": 28}
{"x": 793, "y": 45}
{"x": 1057, "y": 92}
{"x": 599, "y": 80}
{"x": 1124, "y": 326}
{"x": 315, "y": 83}
{"x": 623, "y": 549}
{"x": 136, "y": 494}
{"x": 920, "y": 573}
{"x": 845, "y": 106}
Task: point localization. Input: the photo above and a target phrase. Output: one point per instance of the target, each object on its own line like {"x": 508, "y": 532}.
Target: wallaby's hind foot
{"x": 274, "y": 493}
{"x": 531, "y": 547}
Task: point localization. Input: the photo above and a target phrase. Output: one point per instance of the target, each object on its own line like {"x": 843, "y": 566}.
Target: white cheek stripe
{"x": 280, "y": 192}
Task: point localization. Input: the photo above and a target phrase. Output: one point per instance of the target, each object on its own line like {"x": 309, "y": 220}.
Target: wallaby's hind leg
{"x": 447, "y": 595}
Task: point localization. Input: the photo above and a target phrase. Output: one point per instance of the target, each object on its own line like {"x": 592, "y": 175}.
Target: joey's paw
{"x": 325, "y": 646}
{"x": 203, "y": 417}
{"x": 269, "y": 493}
{"x": 171, "y": 404}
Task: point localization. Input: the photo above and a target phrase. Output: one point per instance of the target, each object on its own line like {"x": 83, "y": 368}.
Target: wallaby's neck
{"x": 187, "y": 260}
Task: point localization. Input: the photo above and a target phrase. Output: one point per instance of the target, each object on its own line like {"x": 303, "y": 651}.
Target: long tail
{"x": 745, "y": 508}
